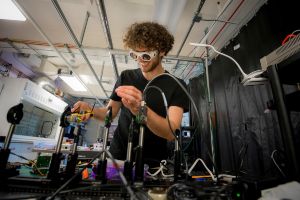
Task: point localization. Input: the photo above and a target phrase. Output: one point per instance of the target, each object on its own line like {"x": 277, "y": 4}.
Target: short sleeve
{"x": 180, "y": 98}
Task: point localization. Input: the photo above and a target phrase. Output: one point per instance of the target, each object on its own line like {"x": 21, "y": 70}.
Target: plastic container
{"x": 112, "y": 172}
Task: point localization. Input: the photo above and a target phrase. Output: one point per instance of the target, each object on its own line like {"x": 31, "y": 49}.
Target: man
{"x": 149, "y": 43}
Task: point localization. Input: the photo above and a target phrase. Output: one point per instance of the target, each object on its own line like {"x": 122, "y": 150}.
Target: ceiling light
{"x": 73, "y": 82}
{"x": 8, "y": 10}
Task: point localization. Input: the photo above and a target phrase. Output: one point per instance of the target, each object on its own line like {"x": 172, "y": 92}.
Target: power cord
{"x": 274, "y": 161}
{"x": 161, "y": 169}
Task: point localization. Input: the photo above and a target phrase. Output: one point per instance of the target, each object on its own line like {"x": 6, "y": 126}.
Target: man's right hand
{"x": 82, "y": 108}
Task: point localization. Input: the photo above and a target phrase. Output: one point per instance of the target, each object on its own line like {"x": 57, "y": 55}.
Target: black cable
{"x": 167, "y": 114}
{"x": 22, "y": 157}
{"x": 244, "y": 148}
{"x": 165, "y": 104}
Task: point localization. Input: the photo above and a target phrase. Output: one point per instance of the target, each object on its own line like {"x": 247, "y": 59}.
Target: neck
{"x": 153, "y": 73}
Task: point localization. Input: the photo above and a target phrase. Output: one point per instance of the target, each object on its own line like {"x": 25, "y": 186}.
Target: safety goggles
{"x": 144, "y": 56}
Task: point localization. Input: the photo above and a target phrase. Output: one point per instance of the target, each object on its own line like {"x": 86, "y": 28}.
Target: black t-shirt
{"x": 155, "y": 147}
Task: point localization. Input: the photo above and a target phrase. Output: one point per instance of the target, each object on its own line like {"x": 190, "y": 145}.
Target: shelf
{"x": 289, "y": 70}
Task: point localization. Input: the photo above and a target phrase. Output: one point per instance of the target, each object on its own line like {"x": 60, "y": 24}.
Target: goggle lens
{"x": 145, "y": 56}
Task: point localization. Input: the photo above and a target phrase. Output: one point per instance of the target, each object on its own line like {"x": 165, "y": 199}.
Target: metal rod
{"x": 103, "y": 17}
{"x": 124, "y": 52}
{"x": 214, "y": 23}
{"x": 284, "y": 123}
{"x": 191, "y": 26}
{"x": 67, "y": 25}
{"x": 212, "y": 138}
{"x": 13, "y": 45}
{"x": 114, "y": 64}
{"x": 87, "y": 16}
{"x": 60, "y": 140}
{"x": 9, "y": 136}
{"x": 105, "y": 139}
{"x": 69, "y": 50}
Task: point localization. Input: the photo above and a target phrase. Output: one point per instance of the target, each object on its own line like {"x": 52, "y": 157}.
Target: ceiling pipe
{"x": 87, "y": 16}
{"x": 114, "y": 51}
{"x": 191, "y": 26}
{"x": 103, "y": 18}
{"x": 38, "y": 28}
{"x": 32, "y": 72}
{"x": 204, "y": 39}
{"x": 212, "y": 26}
{"x": 67, "y": 25}
{"x": 189, "y": 31}
{"x": 13, "y": 45}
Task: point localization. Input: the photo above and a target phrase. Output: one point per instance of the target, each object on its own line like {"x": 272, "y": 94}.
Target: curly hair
{"x": 150, "y": 35}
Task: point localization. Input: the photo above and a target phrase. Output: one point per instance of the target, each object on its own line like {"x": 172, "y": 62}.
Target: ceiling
{"x": 85, "y": 36}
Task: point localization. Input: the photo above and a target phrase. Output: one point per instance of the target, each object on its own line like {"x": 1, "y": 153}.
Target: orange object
{"x": 203, "y": 176}
{"x": 85, "y": 174}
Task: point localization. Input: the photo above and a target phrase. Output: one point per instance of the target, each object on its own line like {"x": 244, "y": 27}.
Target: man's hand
{"x": 82, "y": 108}
{"x": 131, "y": 98}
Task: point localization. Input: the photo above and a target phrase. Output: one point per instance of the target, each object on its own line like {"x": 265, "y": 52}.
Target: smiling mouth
{"x": 143, "y": 64}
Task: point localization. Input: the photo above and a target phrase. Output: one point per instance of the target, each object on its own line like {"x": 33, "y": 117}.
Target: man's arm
{"x": 160, "y": 126}
{"x": 131, "y": 97}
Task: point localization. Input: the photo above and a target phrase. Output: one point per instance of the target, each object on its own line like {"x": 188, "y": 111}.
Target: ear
{"x": 161, "y": 54}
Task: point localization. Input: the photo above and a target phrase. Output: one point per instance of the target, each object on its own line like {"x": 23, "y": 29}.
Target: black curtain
{"x": 246, "y": 132}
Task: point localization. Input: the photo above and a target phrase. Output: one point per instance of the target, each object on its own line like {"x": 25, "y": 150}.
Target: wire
{"x": 93, "y": 107}
{"x": 165, "y": 104}
{"x": 182, "y": 87}
{"x": 33, "y": 163}
{"x": 244, "y": 148}
{"x": 287, "y": 38}
{"x": 161, "y": 169}
{"x": 189, "y": 96}
{"x": 208, "y": 170}
{"x": 231, "y": 58}
{"x": 274, "y": 161}
{"x": 21, "y": 157}
{"x": 182, "y": 191}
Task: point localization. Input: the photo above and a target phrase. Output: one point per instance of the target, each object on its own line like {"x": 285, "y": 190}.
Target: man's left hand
{"x": 131, "y": 98}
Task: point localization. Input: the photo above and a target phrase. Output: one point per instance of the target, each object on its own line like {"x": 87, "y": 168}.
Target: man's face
{"x": 142, "y": 55}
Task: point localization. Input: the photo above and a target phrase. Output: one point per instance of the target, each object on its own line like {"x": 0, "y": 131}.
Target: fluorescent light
{"x": 73, "y": 82}
{"x": 8, "y": 10}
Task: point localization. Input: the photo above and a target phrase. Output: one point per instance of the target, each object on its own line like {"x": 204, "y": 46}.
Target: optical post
{"x": 139, "y": 167}
{"x": 102, "y": 163}
{"x": 128, "y": 164}
{"x": 14, "y": 116}
{"x": 73, "y": 156}
{"x": 57, "y": 155}
{"x": 177, "y": 155}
